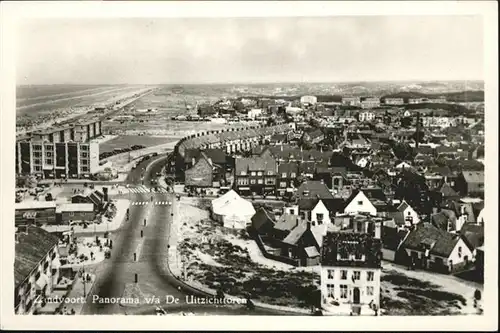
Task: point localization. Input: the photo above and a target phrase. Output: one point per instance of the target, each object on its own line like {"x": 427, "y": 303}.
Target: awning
{"x": 56, "y": 263}
{"x": 42, "y": 281}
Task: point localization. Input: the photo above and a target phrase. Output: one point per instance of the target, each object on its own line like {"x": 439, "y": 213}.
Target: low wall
{"x": 268, "y": 255}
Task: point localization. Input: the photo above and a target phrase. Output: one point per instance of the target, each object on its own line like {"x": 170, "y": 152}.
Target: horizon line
{"x": 260, "y": 82}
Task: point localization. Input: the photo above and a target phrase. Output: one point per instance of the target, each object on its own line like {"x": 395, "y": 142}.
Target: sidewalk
{"x": 121, "y": 212}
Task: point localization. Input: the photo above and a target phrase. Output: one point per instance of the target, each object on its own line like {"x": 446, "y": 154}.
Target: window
{"x": 243, "y": 173}
{"x": 331, "y": 274}
{"x": 293, "y": 175}
{"x": 330, "y": 290}
{"x": 242, "y": 181}
{"x": 283, "y": 175}
{"x": 360, "y": 203}
{"x": 84, "y": 169}
{"x": 259, "y": 173}
{"x": 270, "y": 173}
{"x": 269, "y": 181}
{"x": 84, "y": 155}
{"x": 37, "y": 154}
{"x": 370, "y": 276}
{"x": 84, "y": 148}
{"x": 358, "y": 256}
{"x": 37, "y": 161}
{"x": 38, "y": 168}
{"x": 37, "y": 147}
{"x": 48, "y": 161}
{"x": 252, "y": 173}
{"x": 460, "y": 252}
{"x": 369, "y": 291}
{"x": 292, "y": 212}
{"x": 260, "y": 181}
{"x": 252, "y": 181}
{"x": 71, "y": 213}
{"x": 283, "y": 184}
{"x": 343, "y": 275}
{"x": 84, "y": 162}
{"x": 343, "y": 291}
{"x": 356, "y": 275}
{"x": 319, "y": 218}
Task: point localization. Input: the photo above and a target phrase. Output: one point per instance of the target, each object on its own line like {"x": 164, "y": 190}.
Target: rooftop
{"x": 31, "y": 247}
{"x": 24, "y": 205}
{"x": 337, "y": 245}
{"x": 75, "y": 207}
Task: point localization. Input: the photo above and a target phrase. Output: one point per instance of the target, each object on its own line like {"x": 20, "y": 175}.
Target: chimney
{"x": 105, "y": 193}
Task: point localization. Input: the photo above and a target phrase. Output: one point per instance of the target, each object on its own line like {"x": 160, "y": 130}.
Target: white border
{"x": 13, "y": 11}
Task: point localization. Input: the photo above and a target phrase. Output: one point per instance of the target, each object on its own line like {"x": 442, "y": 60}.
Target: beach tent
{"x": 232, "y": 210}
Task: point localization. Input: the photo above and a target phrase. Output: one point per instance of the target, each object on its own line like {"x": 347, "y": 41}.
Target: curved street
{"x": 118, "y": 273}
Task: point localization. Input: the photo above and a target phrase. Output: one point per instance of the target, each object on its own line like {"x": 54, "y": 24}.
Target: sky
{"x": 249, "y": 50}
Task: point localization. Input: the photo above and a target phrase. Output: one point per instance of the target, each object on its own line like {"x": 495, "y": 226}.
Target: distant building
{"x": 82, "y": 131}
{"x": 394, "y": 101}
{"x": 254, "y": 113}
{"x": 350, "y": 273}
{"x": 366, "y": 116}
{"x": 416, "y": 100}
{"x": 370, "y": 102}
{"x": 309, "y": 100}
{"x": 442, "y": 122}
{"x": 351, "y": 101}
{"x": 50, "y": 160}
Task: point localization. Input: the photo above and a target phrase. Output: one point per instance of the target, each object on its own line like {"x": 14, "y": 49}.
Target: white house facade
{"x": 360, "y": 204}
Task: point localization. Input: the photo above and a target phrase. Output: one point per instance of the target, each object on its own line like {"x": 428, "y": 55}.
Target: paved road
{"x": 115, "y": 274}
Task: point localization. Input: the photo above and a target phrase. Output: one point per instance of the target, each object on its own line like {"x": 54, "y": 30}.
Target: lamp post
{"x": 84, "y": 281}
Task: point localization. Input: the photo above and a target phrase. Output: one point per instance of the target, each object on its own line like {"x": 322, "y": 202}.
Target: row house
{"x": 255, "y": 175}
{"x": 286, "y": 178}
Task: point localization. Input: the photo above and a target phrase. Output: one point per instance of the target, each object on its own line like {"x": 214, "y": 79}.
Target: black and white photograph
{"x": 251, "y": 165}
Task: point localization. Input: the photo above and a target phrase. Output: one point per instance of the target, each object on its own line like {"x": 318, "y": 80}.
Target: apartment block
{"x": 56, "y": 160}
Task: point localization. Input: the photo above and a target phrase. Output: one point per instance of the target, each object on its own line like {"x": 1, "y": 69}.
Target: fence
{"x": 260, "y": 244}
